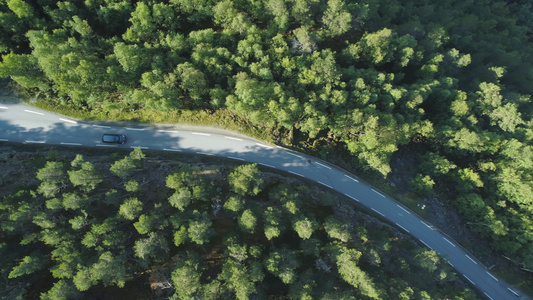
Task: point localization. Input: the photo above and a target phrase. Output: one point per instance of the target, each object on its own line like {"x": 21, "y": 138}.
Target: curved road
{"x": 25, "y": 124}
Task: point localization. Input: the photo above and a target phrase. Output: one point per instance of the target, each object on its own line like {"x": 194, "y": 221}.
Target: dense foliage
{"x": 200, "y": 231}
{"x": 449, "y": 79}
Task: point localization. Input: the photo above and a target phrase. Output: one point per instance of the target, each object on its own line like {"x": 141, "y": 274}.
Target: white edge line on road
{"x": 136, "y": 129}
{"x": 378, "y": 193}
{"x": 427, "y": 225}
{"x": 169, "y": 131}
{"x": 450, "y": 263}
{"x": 102, "y": 145}
{"x": 513, "y": 292}
{"x": 201, "y": 133}
{"x": 377, "y": 212}
{"x": 323, "y": 165}
{"x": 488, "y": 296}
{"x": 353, "y": 198}
{"x": 34, "y": 112}
{"x": 233, "y": 138}
{"x": 492, "y": 276}
{"x": 447, "y": 240}
{"x": 3, "y": 107}
{"x": 471, "y": 259}
{"x": 352, "y": 178}
{"x": 204, "y": 153}
{"x": 4, "y": 140}
{"x": 72, "y": 144}
{"x": 267, "y": 165}
{"x": 329, "y": 186}
{"x": 403, "y": 209}
{"x": 294, "y": 155}
{"x": 142, "y": 147}
{"x": 296, "y": 173}
{"x": 168, "y": 149}
{"x": 469, "y": 279}
{"x": 237, "y": 158}
{"x": 264, "y": 146}
{"x": 428, "y": 246}
{"x": 101, "y": 126}
{"x": 34, "y": 142}
{"x": 69, "y": 121}
{"x": 402, "y": 227}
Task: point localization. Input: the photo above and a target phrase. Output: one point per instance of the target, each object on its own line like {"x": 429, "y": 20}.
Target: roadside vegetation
{"x": 96, "y": 226}
{"x": 445, "y": 83}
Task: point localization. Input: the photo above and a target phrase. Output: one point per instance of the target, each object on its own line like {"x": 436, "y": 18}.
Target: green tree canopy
{"x": 246, "y": 180}
{"x": 87, "y": 178}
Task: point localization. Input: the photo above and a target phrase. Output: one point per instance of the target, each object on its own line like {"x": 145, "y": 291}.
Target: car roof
{"x": 110, "y": 137}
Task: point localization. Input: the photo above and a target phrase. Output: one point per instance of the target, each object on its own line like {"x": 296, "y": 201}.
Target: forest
{"x": 448, "y": 81}
{"x": 96, "y": 226}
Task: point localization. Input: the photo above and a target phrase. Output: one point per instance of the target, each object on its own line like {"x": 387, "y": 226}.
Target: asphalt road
{"x": 26, "y": 124}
